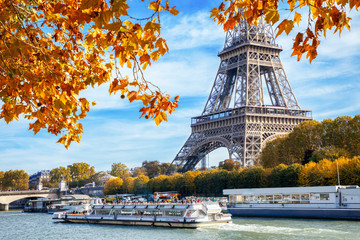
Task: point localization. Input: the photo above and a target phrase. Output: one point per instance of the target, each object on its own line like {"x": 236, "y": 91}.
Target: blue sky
{"x": 113, "y": 132}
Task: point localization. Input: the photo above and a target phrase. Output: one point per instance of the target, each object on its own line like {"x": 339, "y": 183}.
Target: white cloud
{"x": 318, "y": 91}
{"x": 192, "y": 31}
{"x": 338, "y": 111}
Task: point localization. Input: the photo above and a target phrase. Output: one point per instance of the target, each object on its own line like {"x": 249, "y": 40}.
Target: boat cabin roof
{"x": 165, "y": 207}
{"x": 290, "y": 190}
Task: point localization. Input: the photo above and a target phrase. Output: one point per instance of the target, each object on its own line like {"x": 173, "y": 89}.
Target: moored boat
{"x": 74, "y": 206}
{"x": 71, "y": 206}
{"x": 328, "y": 202}
{"x": 163, "y": 215}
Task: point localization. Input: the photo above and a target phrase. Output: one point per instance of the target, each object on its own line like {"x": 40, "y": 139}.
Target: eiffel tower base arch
{"x": 242, "y": 131}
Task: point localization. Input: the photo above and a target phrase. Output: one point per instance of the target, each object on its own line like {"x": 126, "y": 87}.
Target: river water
{"x": 18, "y": 225}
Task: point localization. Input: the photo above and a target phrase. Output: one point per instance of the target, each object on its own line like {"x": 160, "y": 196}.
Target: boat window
{"x": 148, "y": 213}
{"x": 192, "y": 213}
{"x": 238, "y": 198}
{"x": 245, "y": 198}
{"x": 269, "y": 197}
{"x": 174, "y": 213}
{"x": 286, "y": 197}
{"x": 304, "y": 197}
{"x": 277, "y": 198}
{"x": 116, "y": 212}
{"x": 189, "y": 213}
{"x": 295, "y": 197}
{"x": 252, "y": 198}
{"x": 314, "y": 196}
{"x": 232, "y": 198}
{"x": 324, "y": 196}
{"x": 102, "y": 212}
{"x": 158, "y": 212}
{"x": 138, "y": 212}
{"x": 261, "y": 198}
{"x": 126, "y": 212}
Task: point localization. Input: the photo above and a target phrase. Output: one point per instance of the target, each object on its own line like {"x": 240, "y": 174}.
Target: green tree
{"x": 98, "y": 178}
{"x": 152, "y": 168}
{"x": 81, "y": 171}
{"x": 349, "y": 170}
{"x": 336, "y": 132}
{"x": 292, "y": 175}
{"x": 296, "y": 147}
{"x": 113, "y": 186}
{"x": 328, "y": 152}
{"x": 157, "y": 184}
{"x": 139, "y": 171}
{"x": 128, "y": 185}
{"x": 252, "y": 177}
{"x": 140, "y": 184}
{"x": 189, "y": 185}
{"x": 15, "y": 180}
{"x": 119, "y": 170}
{"x": 220, "y": 180}
{"x": 323, "y": 173}
{"x": 277, "y": 176}
{"x": 57, "y": 173}
{"x": 230, "y": 165}
{"x": 171, "y": 182}
{"x": 164, "y": 167}
{"x": 354, "y": 136}
{"x": 2, "y": 174}
{"x": 270, "y": 154}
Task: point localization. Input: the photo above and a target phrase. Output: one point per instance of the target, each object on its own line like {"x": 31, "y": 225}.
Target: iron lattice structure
{"x": 235, "y": 115}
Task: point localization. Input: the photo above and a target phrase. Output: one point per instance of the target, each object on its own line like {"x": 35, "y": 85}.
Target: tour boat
{"x": 71, "y": 206}
{"x": 178, "y": 215}
{"x": 330, "y": 202}
{"x": 78, "y": 206}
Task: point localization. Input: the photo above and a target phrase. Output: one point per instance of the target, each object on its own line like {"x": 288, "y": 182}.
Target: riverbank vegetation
{"x": 312, "y": 141}
{"x": 314, "y": 154}
{"x": 14, "y": 180}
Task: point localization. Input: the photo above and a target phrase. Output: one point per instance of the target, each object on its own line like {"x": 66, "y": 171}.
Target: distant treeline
{"x": 306, "y": 157}
{"x": 14, "y": 180}
{"x": 312, "y": 141}
{"x": 211, "y": 183}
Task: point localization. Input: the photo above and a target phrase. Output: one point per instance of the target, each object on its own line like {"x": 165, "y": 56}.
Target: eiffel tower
{"x": 235, "y": 115}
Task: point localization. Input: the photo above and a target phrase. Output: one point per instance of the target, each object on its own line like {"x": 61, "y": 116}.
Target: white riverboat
{"x": 163, "y": 215}
{"x": 72, "y": 206}
{"x": 75, "y": 206}
{"x": 328, "y": 202}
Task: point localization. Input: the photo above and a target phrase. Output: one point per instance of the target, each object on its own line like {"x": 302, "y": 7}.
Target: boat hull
{"x": 343, "y": 214}
{"x": 174, "y": 224}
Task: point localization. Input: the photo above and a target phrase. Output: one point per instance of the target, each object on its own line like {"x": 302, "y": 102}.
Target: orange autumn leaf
{"x": 51, "y": 51}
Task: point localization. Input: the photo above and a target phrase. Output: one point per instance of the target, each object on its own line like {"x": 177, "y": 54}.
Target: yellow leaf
{"x": 297, "y": 18}
{"x": 158, "y": 119}
{"x": 154, "y": 6}
{"x": 173, "y": 11}
{"x": 132, "y": 96}
{"x": 272, "y": 16}
{"x": 86, "y": 4}
{"x": 128, "y": 64}
{"x": 285, "y": 25}
{"x": 163, "y": 115}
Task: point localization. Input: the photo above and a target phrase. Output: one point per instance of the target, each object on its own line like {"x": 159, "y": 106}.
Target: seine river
{"x": 17, "y": 225}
